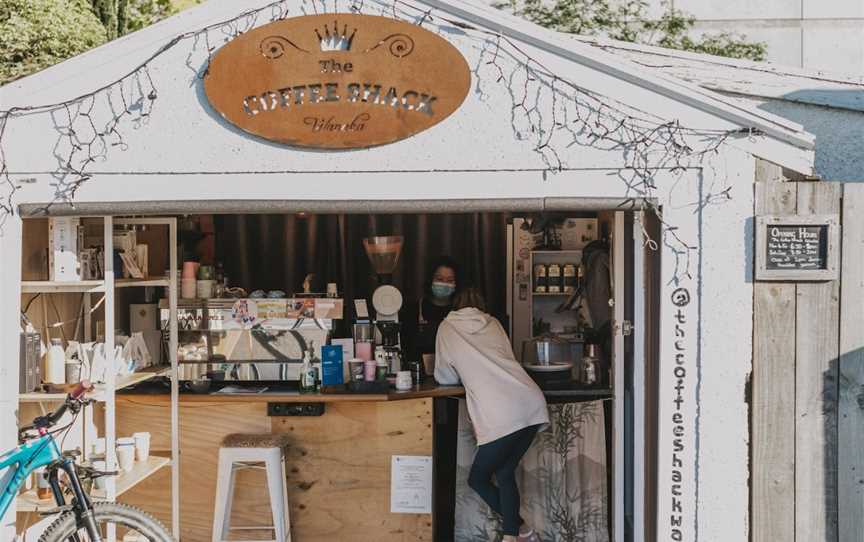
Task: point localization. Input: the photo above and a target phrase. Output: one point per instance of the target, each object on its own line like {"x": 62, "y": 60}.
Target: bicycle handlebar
{"x": 73, "y": 401}
{"x": 83, "y": 387}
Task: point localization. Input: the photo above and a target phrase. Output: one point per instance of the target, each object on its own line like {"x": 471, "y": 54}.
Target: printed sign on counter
{"x": 411, "y": 484}
{"x": 331, "y": 365}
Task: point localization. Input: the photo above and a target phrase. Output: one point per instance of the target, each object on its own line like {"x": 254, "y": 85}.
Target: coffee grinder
{"x": 383, "y": 253}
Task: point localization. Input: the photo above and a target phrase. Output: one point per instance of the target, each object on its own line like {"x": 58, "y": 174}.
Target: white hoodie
{"x": 471, "y": 346}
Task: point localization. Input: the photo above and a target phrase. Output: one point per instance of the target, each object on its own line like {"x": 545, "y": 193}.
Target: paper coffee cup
{"x": 126, "y": 453}
{"x": 99, "y": 446}
{"x": 188, "y": 288}
{"x": 403, "y": 380}
{"x": 204, "y": 288}
{"x": 142, "y": 446}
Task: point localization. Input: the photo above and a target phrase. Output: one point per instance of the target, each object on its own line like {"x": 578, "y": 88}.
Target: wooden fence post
{"x": 816, "y": 359}
{"x": 850, "y": 432}
{"x": 773, "y": 382}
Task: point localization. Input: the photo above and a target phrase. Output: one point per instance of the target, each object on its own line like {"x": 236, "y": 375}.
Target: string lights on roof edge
{"x": 647, "y": 142}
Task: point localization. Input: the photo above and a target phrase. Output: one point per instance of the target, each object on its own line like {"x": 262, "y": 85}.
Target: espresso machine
{"x": 383, "y": 253}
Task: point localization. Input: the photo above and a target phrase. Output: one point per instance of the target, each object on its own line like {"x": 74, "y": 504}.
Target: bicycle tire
{"x": 64, "y": 527}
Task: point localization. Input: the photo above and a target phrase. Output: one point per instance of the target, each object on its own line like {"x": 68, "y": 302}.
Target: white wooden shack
{"x": 737, "y": 425}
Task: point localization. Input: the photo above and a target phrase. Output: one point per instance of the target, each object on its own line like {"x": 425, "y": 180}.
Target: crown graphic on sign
{"x": 334, "y": 40}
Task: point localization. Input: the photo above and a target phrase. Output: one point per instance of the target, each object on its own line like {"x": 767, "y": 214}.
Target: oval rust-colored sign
{"x": 337, "y": 81}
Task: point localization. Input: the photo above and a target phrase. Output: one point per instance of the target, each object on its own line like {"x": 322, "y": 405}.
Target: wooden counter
{"x": 423, "y": 391}
{"x": 338, "y": 464}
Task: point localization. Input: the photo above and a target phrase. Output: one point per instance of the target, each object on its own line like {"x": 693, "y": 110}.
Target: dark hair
{"x": 470, "y": 297}
{"x": 443, "y": 261}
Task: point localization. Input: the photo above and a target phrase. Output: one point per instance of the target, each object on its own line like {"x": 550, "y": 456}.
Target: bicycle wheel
{"x": 126, "y": 518}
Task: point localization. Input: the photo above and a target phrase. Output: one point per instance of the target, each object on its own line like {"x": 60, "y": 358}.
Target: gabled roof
{"x": 788, "y": 143}
{"x": 744, "y": 77}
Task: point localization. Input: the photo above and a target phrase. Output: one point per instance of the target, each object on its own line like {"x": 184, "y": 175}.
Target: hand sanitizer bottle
{"x": 307, "y": 372}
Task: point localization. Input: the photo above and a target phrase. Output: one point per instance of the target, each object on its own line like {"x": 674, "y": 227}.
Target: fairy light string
{"x": 548, "y": 111}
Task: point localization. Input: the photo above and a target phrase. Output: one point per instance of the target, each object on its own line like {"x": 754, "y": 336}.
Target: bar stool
{"x": 245, "y": 451}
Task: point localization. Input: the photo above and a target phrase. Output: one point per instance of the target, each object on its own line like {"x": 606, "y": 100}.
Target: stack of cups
{"x": 364, "y": 350}
{"x": 142, "y": 446}
{"x": 188, "y": 280}
{"x": 403, "y": 380}
{"x": 97, "y": 460}
{"x": 126, "y": 453}
{"x": 206, "y": 282}
{"x": 101, "y": 466}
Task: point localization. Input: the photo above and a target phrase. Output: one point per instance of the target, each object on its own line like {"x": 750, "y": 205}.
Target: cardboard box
{"x": 328, "y": 308}
{"x": 63, "y": 264}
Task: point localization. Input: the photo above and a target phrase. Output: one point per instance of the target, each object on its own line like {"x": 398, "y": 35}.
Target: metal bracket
{"x": 626, "y": 328}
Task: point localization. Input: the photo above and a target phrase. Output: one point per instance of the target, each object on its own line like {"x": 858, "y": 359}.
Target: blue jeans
{"x": 500, "y": 458}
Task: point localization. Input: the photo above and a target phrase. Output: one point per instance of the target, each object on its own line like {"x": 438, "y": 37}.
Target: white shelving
{"x": 86, "y": 286}
{"x": 141, "y": 470}
{"x": 117, "y": 485}
{"x": 124, "y": 481}
{"x": 140, "y": 283}
{"x": 121, "y": 382}
{"x": 59, "y": 287}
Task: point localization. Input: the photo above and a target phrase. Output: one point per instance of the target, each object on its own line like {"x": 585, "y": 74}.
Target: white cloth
{"x": 472, "y": 347}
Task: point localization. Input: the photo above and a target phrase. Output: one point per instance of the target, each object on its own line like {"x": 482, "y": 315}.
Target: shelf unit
{"x": 546, "y": 302}
{"x": 121, "y": 382}
{"x": 117, "y": 485}
{"x": 124, "y": 481}
{"x": 60, "y": 287}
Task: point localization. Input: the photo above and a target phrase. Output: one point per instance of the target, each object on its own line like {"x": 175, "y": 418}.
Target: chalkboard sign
{"x": 796, "y": 247}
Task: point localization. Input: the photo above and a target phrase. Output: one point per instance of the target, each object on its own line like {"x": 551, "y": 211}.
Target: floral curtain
{"x": 562, "y": 479}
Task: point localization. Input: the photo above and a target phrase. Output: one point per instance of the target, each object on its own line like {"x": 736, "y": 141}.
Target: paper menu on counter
{"x": 411, "y": 484}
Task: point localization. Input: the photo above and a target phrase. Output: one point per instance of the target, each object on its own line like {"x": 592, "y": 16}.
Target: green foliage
{"x": 120, "y": 17}
{"x": 35, "y": 34}
{"x": 628, "y": 21}
{"x": 107, "y": 11}
{"x": 143, "y": 13}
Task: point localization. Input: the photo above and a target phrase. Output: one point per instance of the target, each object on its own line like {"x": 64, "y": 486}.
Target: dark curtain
{"x": 276, "y": 252}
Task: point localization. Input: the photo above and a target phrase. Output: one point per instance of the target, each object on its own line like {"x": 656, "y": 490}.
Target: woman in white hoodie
{"x": 506, "y": 407}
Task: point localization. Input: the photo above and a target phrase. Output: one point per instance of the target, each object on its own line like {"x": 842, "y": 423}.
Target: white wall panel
{"x": 834, "y": 46}
{"x": 783, "y": 38}
{"x": 829, "y": 9}
{"x": 739, "y": 9}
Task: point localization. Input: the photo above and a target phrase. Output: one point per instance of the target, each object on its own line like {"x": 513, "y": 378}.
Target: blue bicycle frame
{"x": 21, "y": 462}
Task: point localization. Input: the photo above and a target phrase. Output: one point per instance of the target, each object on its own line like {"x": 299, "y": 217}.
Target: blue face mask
{"x": 443, "y": 289}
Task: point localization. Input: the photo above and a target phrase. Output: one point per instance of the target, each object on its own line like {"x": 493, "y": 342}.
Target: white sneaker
{"x": 530, "y": 536}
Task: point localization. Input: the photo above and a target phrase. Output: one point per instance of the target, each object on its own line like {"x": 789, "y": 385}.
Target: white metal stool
{"x": 241, "y": 451}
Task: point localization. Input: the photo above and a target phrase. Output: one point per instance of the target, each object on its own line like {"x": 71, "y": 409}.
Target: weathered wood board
{"x": 850, "y": 431}
{"x": 773, "y": 383}
{"x": 816, "y": 347}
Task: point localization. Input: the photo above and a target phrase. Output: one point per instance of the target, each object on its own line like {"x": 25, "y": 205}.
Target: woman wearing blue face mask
{"x": 443, "y": 282}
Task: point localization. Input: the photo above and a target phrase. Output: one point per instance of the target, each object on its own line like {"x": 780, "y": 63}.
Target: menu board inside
{"x": 797, "y": 246}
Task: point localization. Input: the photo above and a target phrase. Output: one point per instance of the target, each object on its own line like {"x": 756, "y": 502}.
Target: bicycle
{"x": 80, "y": 520}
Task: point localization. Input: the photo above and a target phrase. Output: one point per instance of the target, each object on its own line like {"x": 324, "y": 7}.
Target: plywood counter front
{"x": 338, "y": 464}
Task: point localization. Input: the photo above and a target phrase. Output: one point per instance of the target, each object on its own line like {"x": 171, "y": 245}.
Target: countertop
{"x": 288, "y": 396}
